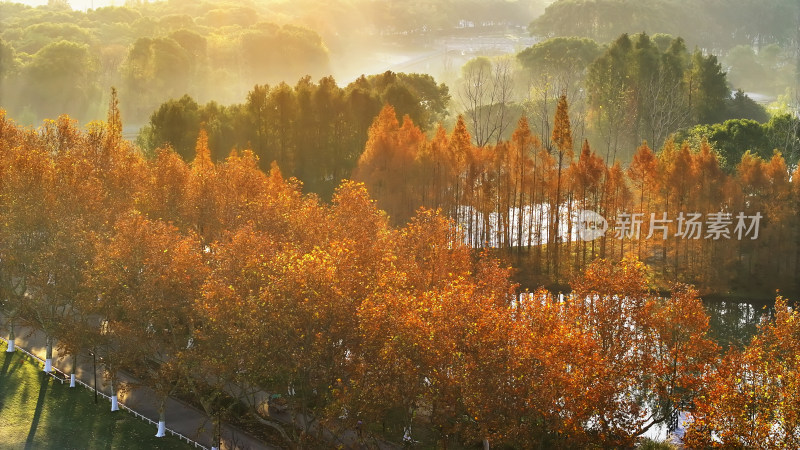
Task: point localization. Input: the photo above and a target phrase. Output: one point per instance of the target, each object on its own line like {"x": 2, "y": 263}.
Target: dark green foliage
{"x": 642, "y": 89}
{"x": 413, "y": 94}
{"x": 175, "y": 123}
{"x": 314, "y": 131}
{"x": 731, "y": 140}
{"x": 708, "y": 89}
{"x": 740, "y": 106}
{"x": 61, "y": 76}
{"x": 709, "y": 24}
{"x": 559, "y": 54}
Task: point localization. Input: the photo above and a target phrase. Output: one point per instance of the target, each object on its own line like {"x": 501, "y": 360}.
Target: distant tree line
{"x": 757, "y": 42}
{"x": 636, "y": 88}
{"x": 716, "y": 25}
{"x": 315, "y": 131}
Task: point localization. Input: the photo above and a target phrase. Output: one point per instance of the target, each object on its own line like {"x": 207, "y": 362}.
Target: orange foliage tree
{"x": 233, "y": 283}
{"x": 752, "y": 397}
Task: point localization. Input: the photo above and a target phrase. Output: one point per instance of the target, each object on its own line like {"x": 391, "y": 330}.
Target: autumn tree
{"x": 147, "y": 277}
{"x": 617, "y": 197}
{"x": 751, "y": 396}
{"x": 422, "y": 329}
{"x": 389, "y": 163}
{"x": 201, "y": 191}
{"x": 654, "y": 347}
{"x": 53, "y": 272}
{"x": 643, "y": 174}
{"x": 458, "y": 151}
{"x": 26, "y": 192}
{"x": 586, "y": 176}
{"x": 563, "y": 152}
{"x": 553, "y": 67}
{"x": 524, "y": 146}
{"x": 709, "y": 194}
{"x": 435, "y": 171}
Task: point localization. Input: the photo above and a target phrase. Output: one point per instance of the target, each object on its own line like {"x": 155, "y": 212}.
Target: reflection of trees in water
{"x": 735, "y": 322}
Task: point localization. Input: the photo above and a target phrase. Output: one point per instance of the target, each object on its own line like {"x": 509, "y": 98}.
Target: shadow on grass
{"x": 59, "y": 418}
{"x": 3, "y": 375}
{"x": 6, "y": 363}
{"x": 44, "y": 382}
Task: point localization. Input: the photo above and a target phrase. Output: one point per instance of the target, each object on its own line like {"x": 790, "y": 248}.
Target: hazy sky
{"x": 77, "y": 4}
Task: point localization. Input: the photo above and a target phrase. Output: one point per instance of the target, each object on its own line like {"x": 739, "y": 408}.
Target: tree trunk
{"x": 72, "y": 374}
{"x": 216, "y": 433}
{"x": 162, "y": 419}
{"x": 11, "y": 338}
{"x": 114, "y": 400}
{"x": 48, "y": 362}
{"x": 556, "y": 222}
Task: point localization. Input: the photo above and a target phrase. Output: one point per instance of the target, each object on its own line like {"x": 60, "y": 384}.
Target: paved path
{"x": 180, "y": 417}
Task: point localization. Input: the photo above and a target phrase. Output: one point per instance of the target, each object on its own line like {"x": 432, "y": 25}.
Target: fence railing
{"x": 64, "y": 377}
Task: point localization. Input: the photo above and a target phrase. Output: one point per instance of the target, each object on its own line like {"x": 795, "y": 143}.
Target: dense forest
{"x": 380, "y": 243}
{"x": 200, "y": 276}
{"x": 522, "y": 197}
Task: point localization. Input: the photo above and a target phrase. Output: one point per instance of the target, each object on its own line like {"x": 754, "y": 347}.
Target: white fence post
{"x": 56, "y": 371}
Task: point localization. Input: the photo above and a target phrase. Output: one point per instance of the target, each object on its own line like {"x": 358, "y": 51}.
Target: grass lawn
{"x": 37, "y": 412}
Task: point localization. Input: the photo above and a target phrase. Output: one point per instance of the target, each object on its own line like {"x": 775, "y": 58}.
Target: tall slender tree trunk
{"x": 11, "y": 338}
{"x": 48, "y": 362}
{"x": 519, "y": 190}
{"x": 162, "y": 418}
{"x": 114, "y": 399}
{"x": 217, "y": 435}
{"x": 74, "y": 368}
{"x": 557, "y": 219}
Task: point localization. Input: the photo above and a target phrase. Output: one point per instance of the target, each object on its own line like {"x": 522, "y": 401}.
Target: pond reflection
{"x": 735, "y": 322}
